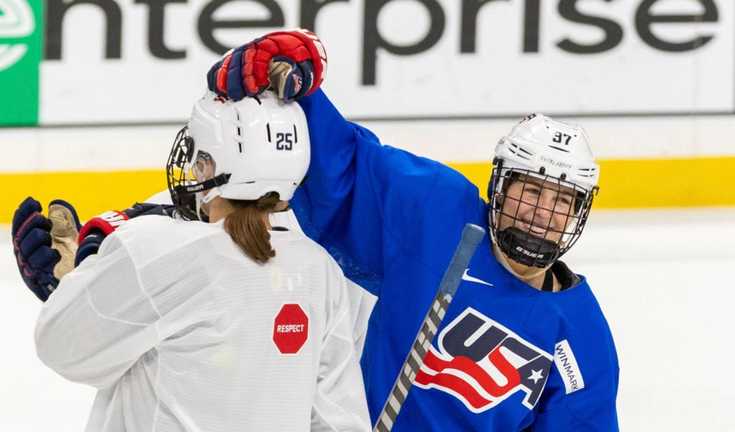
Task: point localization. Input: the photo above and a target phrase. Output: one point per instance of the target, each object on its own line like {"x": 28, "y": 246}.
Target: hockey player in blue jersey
{"x": 524, "y": 346}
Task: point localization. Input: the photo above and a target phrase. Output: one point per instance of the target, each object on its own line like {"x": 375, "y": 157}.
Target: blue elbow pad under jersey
{"x": 507, "y": 357}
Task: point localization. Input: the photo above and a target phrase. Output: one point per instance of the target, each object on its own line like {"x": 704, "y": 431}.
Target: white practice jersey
{"x": 180, "y": 331}
{"x": 361, "y": 300}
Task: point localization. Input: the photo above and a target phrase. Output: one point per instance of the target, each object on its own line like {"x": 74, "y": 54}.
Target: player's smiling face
{"x": 541, "y": 208}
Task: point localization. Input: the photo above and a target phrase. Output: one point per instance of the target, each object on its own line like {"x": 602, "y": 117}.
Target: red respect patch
{"x": 290, "y": 329}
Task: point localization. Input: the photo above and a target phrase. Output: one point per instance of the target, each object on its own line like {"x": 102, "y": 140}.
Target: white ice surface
{"x": 662, "y": 278}
{"x": 33, "y": 398}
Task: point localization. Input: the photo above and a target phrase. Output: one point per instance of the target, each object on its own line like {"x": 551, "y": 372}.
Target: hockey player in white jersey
{"x": 229, "y": 325}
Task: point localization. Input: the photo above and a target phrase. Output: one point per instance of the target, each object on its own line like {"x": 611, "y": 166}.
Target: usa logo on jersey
{"x": 482, "y": 363}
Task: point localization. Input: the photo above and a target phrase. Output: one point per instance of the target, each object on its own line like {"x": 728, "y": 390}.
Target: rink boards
{"x": 691, "y": 163}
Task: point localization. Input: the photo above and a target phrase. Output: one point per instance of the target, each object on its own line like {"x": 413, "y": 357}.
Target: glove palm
{"x": 44, "y": 248}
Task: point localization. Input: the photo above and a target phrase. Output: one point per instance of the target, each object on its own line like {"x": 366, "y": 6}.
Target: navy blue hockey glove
{"x": 96, "y": 229}
{"x": 292, "y": 63}
{"x": 44, "y": 248}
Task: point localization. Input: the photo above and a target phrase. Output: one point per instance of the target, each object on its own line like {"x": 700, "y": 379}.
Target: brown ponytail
{"x": 247, "y": 226}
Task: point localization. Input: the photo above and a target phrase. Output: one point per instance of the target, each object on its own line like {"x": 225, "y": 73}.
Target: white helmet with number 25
{"x": 238, "y": 150}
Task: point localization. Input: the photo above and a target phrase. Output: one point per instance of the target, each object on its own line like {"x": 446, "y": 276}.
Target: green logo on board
{"x": 21, "y": 40}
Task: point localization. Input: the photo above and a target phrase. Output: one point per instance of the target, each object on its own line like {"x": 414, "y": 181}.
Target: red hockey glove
{"x": 293, "y": 63}
{"x": 96, "y": 229}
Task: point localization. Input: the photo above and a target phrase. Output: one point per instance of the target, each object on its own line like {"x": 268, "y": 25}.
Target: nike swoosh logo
{"x": 466, "y": 276}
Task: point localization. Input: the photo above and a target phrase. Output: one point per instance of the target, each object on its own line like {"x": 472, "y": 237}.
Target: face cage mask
{"x": 517, "y": 239}
{"x": 182, "y": 183}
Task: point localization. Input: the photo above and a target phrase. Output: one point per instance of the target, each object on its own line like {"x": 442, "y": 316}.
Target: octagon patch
{"x": 290, "y": 329}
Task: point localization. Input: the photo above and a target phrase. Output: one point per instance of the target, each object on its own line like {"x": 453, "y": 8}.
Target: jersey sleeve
{"x": 99, "y": 321}
{"x": 589, "y": 409}
{"x": 340, "y": 403}
{"x": 361, "y": 198}
{"x": 124, "y": 301}
{"x": 362, "y": 303}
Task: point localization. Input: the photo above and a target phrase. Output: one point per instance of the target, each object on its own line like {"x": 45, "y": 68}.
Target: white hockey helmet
{"x": 238, "y": 150}
{"x": 550, "y": 147}
{"x": 552, "y": 152}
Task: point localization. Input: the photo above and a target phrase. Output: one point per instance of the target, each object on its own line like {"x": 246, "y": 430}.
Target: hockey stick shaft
{"x": 471, "y": 237}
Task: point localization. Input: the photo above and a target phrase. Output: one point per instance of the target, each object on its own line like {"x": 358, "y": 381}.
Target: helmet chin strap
{"x": 210, "y": 195}
{"x": 206, "y": 197}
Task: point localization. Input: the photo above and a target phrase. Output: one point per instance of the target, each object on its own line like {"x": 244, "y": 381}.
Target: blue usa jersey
{"x": 507, "y": 357}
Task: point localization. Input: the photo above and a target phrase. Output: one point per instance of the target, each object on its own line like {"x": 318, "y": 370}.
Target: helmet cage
{"x": 183, "y": 184}
{"x": 518, "y": 240}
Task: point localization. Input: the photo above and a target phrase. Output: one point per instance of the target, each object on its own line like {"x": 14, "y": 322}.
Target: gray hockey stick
{"x": 471, "y": 237}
